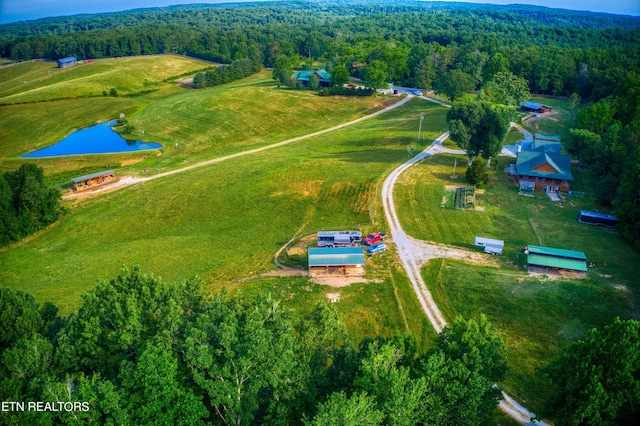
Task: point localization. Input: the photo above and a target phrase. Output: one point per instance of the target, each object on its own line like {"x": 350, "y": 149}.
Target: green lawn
{"x": 535, "y": 315}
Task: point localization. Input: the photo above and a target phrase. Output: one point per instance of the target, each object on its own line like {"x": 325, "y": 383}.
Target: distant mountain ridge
{"x": 563, "y": 18}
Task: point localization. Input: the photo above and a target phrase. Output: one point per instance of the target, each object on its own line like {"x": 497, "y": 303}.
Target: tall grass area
{"x": 535, "y": 315}
{"x": 223, "y": 222}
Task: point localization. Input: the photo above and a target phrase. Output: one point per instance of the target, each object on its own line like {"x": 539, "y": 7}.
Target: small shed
{"x": 527, "y": 188}
{"x": 93, "y": 180}
{"x": 554, "y": 260}
{"x": 67, "y": 62}
{"x": 336, "y": 261}
{"x": 491, "y": 246}
{"x": 593, "y": 218}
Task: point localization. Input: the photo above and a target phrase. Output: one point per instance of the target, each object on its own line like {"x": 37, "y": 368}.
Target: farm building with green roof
{"x": 336, "y": 261}
{"x": 553, "y": 260}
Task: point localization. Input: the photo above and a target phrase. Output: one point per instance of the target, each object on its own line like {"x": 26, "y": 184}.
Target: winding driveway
{"x": 415, "y": 253}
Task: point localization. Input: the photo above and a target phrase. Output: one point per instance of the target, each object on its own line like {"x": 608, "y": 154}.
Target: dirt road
{"x": 415, "y": 253}
{"x": 129, "y": 180}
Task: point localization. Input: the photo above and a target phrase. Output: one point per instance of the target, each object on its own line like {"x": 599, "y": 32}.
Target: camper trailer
{"x": 339, "y": 238}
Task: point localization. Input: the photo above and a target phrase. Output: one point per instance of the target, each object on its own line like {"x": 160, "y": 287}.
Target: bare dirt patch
{"x": 338, "y": 281}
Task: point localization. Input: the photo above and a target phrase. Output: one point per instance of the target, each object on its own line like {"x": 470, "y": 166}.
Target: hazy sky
{"x": 20, "y": 10}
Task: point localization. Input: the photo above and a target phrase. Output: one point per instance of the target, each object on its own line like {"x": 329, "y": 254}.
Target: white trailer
{"x": 339, "y": 238}
{"x": 490, "y": 246}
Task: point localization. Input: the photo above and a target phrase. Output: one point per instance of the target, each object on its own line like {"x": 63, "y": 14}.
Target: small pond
{"x": 98, "y": 139}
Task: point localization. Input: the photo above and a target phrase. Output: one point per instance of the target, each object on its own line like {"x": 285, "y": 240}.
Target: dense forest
{"x": 143, "y": 351}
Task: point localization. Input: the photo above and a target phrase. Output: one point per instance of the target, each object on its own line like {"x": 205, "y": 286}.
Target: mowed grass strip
{"x": 43, "y": 81}
{"x": 223, "y": 222}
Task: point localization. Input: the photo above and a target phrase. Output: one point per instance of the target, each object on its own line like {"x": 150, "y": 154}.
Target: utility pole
{"x": 420, "y": 128}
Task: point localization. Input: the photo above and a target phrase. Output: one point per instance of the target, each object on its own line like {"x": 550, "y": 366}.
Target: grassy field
{"x": 224, "y": 222}
{"x": 535, "y": 315}
{"x": 43, "y": 81}
{"x": 193, "y": 125}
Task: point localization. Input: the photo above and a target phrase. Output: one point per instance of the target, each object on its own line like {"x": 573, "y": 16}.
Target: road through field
{"x": 414, "y": 254}
{"x": 128, "y": 180}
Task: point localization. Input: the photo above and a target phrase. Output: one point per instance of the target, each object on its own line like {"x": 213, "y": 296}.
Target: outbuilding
{"x": 93, "y": 180}
{"x": 336, "y": 261}
{"x": 491, "y": 246}
{"x": 593, "y": 218}
{"x": 67, "y": 62}
{"x": 553, "y": 260}
{"x": 534, "y": 107}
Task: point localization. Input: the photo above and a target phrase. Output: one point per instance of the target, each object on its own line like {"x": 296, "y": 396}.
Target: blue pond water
{"x": 98, "y": 139}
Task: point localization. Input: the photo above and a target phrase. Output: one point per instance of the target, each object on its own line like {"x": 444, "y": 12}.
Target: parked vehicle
{"x": 376, "y": 248}
{"x": 339, "y": 238}
{"x": 374, "y": 238}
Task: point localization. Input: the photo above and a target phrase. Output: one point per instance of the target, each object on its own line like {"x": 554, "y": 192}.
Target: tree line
{"x": 27, "y": 203}
{"x": 143, "y": 351}
{"x": 416, "y": 45}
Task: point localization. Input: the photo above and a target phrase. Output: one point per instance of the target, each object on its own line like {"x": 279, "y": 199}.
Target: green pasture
{"x": 518, "y": 220}
{"x": 535, "y": 315}
{"x": 43, "y": 81}
{"x": 223, "y": 222}
{"x": 193, "y": 125}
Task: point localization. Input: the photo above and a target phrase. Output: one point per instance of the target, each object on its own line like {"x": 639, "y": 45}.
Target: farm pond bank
{"x": 97, "y": 139}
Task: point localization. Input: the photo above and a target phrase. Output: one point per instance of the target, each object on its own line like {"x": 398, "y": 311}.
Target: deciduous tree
{"x": 597, "y": 379}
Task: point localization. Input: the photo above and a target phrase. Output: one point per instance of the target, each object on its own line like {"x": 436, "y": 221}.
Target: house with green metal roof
{"x": 548, "y": 170}
{"x": 324, "y": 78}
{"x": 549, "y": 143}
{"x": 336, "y": 261}
{"x": 553, "y": 260}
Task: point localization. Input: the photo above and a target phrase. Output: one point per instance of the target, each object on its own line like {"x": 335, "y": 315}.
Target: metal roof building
{"x": 337, "y": 260}
{"x": 593, "y": 218}
{"x": 92, "y": 180}
{"x": 542, "y": 259}
{"x": 324, "y": 78}
{"x": 67, "y": 62}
